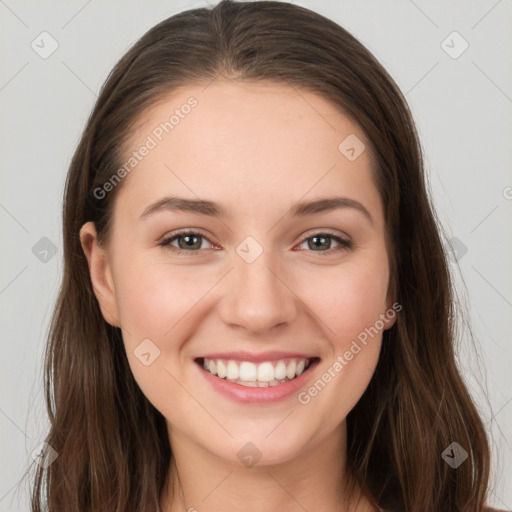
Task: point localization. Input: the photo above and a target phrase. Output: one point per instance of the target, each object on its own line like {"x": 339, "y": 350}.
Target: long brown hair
{"x": 112, "y": 444}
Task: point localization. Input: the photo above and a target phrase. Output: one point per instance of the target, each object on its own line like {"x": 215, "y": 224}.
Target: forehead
{"x": 256, "y": 144}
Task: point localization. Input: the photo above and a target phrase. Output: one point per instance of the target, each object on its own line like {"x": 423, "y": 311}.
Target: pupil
{"x": 324, "y": 245}
{"x": 189, "y": 239}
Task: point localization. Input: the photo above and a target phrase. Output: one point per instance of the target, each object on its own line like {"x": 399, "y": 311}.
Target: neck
{"x": 313, "y": 480}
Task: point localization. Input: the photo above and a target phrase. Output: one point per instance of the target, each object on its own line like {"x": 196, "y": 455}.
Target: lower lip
{"x": 268, "y": 394}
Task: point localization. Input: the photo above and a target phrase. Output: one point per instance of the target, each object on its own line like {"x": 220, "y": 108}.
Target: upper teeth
{"x": 251, "y": 372}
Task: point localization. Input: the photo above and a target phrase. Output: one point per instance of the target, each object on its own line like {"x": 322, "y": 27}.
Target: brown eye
{"x": 188, "y": 242}
{"x": 322, "y": 242}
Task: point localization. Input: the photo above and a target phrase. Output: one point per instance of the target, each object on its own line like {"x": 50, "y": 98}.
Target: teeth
{"x": 257, "y": 384}
{"x": 221, "y": 369}
{"x": 232, "y": 372}
{"x": 247, "y": 373}
{"x": 280, "y": 370}
{"x": 290, "y": 370}
{"x": 265, "y": 372}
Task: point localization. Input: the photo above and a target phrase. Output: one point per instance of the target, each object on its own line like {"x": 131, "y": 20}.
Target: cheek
{"x": 351, "y": 306}
{"x": 351, "y": 299}
{"x": 154, "y": 297}
{"x": 160, "y": 303}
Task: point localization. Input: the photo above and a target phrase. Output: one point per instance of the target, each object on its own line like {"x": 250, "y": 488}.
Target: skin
{"x": 255, "y": 148}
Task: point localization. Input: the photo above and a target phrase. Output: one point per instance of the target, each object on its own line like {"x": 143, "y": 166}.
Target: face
{"x": 285, "y": 303}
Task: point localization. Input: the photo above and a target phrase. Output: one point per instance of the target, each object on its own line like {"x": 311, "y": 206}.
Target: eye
{"x": 192, "y": 242}
{"x": 322, "y": 240}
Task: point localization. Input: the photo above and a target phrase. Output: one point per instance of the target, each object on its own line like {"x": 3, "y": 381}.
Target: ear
{"x": 100, "y": 273}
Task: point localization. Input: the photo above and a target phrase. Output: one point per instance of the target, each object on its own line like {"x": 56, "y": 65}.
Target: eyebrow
{"x": 212, "y": 209}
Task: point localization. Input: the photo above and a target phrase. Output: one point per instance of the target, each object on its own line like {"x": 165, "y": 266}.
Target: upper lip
{"x": 257, "y": 357}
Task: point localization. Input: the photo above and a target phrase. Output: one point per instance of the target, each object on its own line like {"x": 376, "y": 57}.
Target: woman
{"x": 235, "y": 158}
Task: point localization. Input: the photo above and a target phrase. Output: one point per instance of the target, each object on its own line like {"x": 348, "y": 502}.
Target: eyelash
{"x": 343, "y": 244}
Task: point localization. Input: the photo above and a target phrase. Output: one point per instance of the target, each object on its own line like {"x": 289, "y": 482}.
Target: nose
{"x": 258, "y": 298}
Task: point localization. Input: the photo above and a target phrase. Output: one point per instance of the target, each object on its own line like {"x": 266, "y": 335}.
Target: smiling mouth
{"x": 257, "y": 375}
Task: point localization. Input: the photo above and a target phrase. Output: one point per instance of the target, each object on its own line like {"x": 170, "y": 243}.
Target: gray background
{"x": 463, "y": 110}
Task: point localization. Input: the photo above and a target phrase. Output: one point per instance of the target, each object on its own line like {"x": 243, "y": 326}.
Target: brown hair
{"x": 112, "y": 444}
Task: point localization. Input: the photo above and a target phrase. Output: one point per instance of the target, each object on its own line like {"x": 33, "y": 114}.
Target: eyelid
{"x": 326, "y": 231}
{"x": 185, "y": 231}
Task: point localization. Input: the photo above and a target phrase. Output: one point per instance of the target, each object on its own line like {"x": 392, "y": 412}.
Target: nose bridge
{"x": 258, "y": 299}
